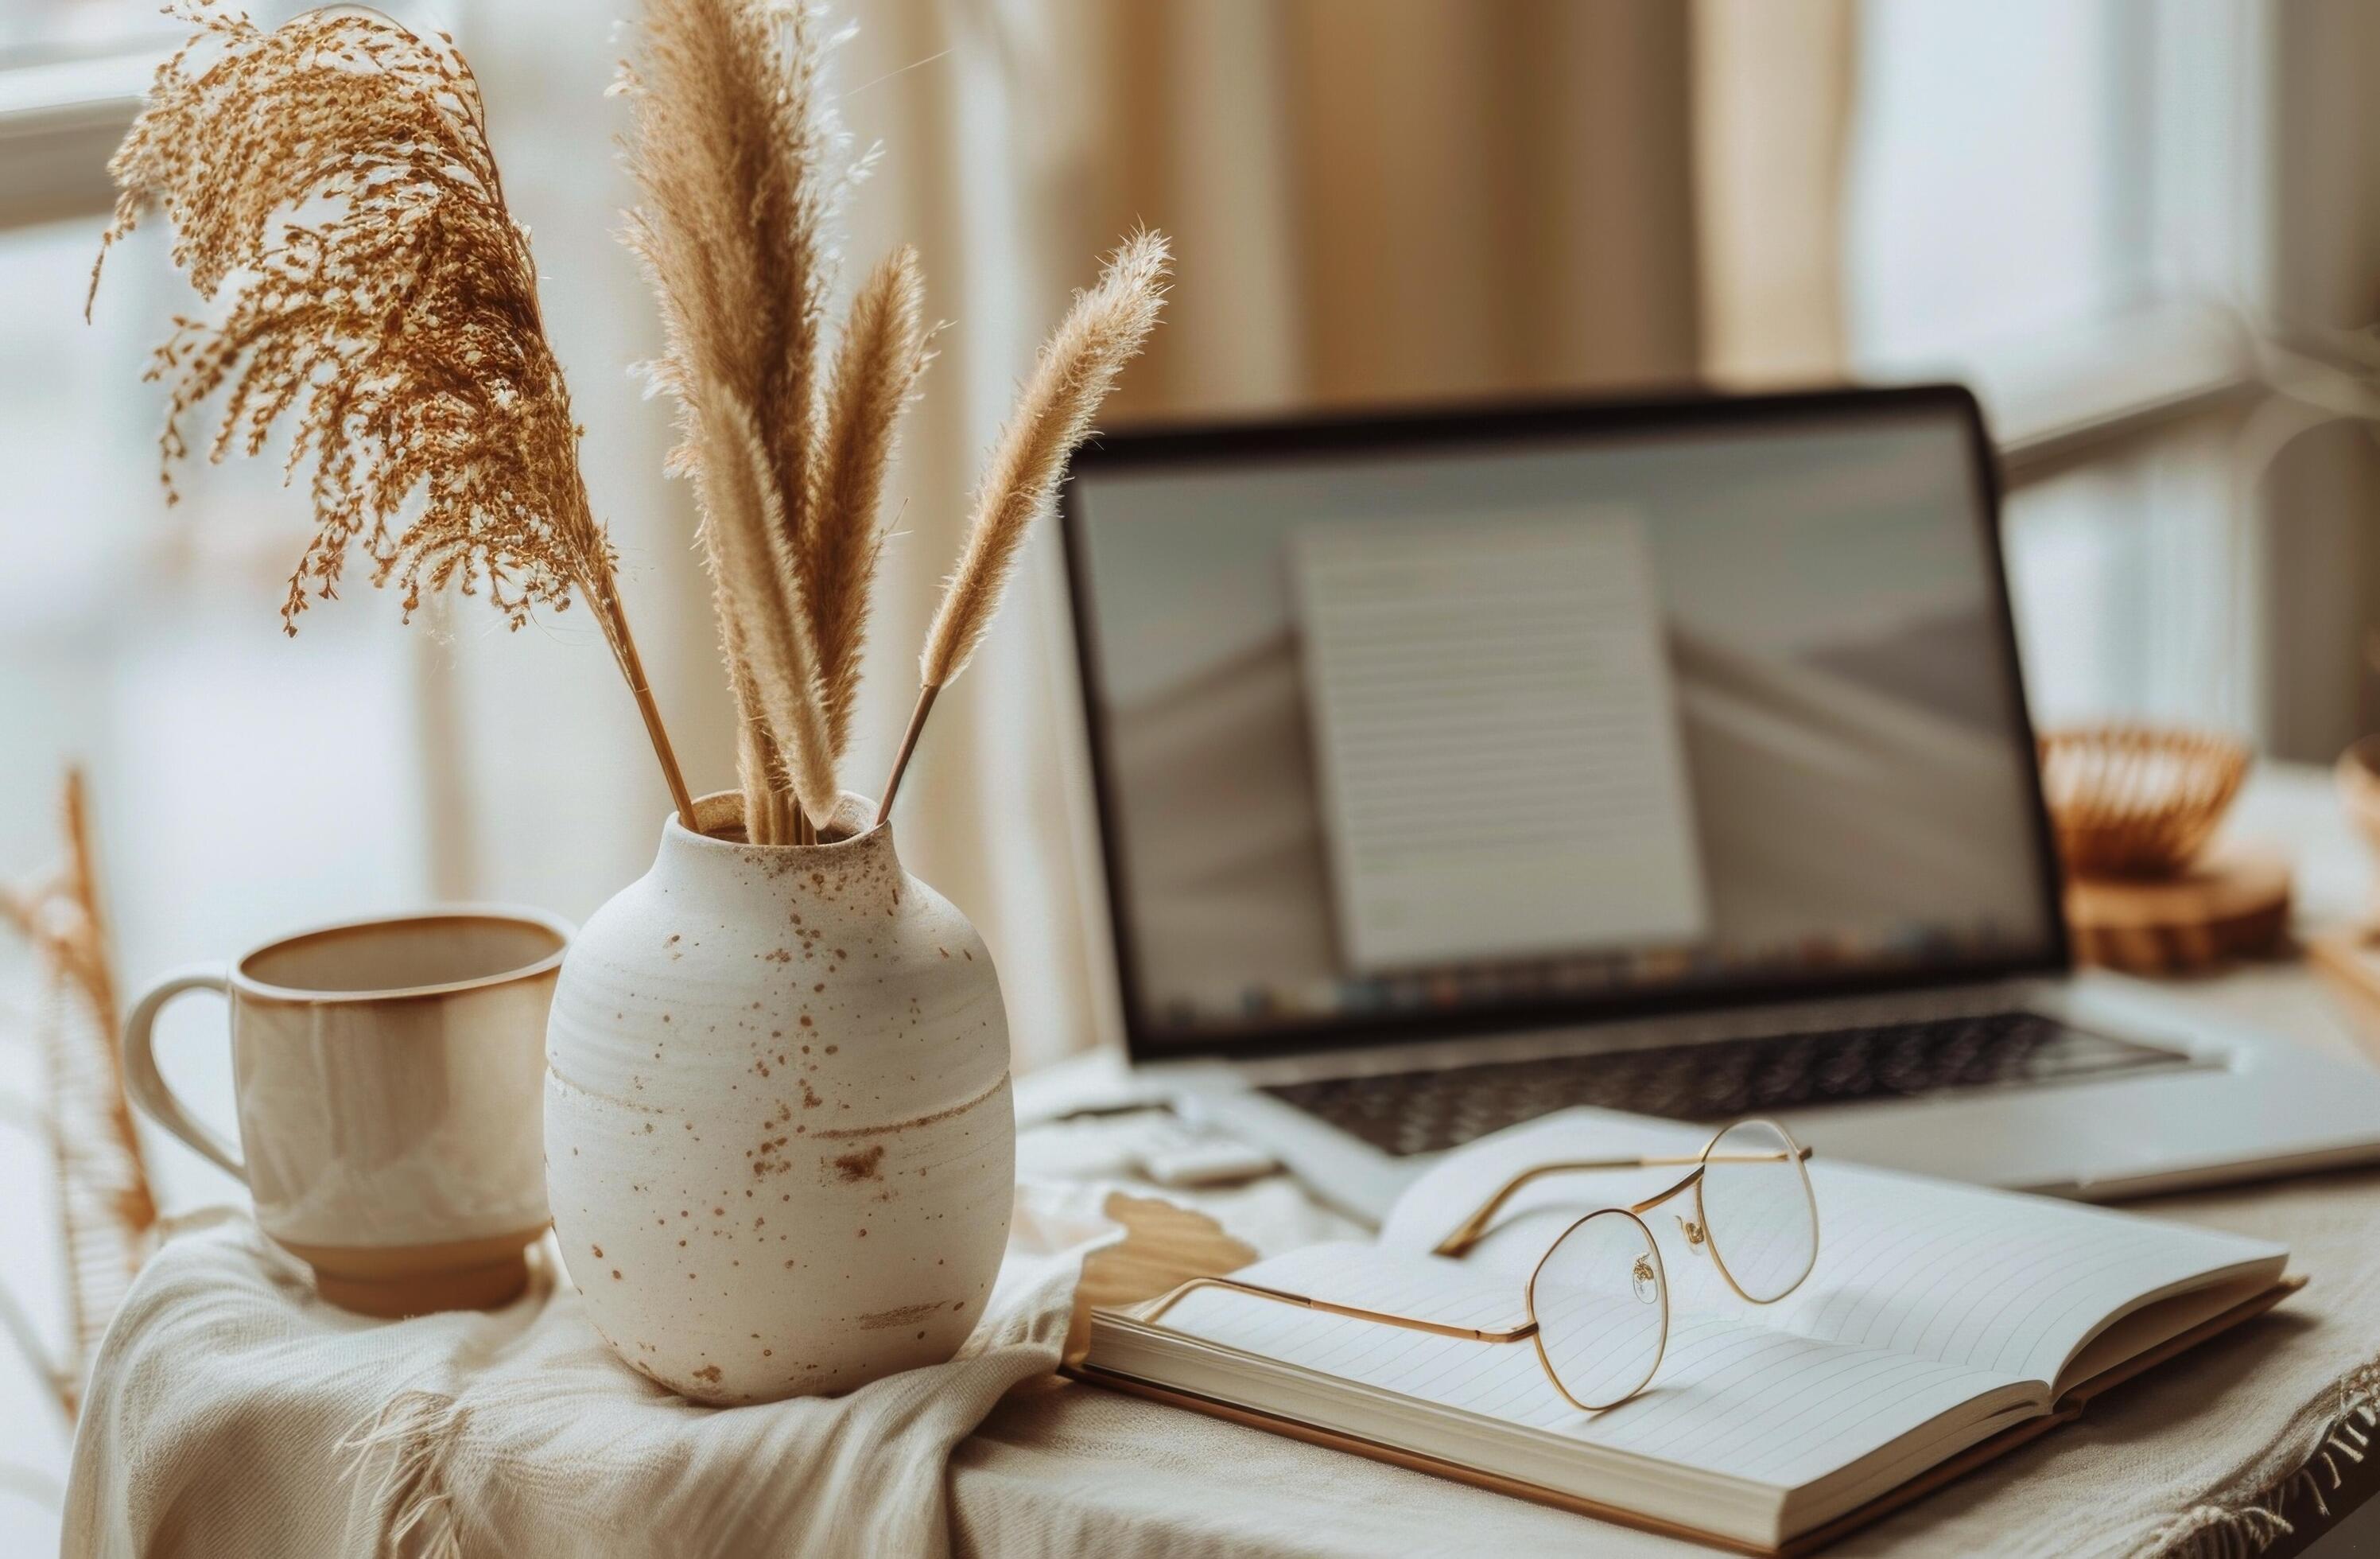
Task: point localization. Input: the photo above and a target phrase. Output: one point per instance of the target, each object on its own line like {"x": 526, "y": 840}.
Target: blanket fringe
{"x": 412, "y": 1435}
{"x": 2246, "y": 1528}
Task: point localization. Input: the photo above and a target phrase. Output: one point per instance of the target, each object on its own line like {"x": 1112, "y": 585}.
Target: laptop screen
{"x": 1465, "y": 722}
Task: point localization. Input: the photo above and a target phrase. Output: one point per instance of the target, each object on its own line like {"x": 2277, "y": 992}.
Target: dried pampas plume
{"x": 876, "y": 369}
{"x": 334, "y": 177}
{"x": 765, "y": 629}
{"x": 331, "y": 180}
{"x": 736, "y": 153}
{"x": 1076, "y": 368}
{"x": 733, "y": 138}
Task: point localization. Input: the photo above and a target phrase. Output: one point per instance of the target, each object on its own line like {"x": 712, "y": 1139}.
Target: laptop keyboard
{"x": 1406, "y": 1113}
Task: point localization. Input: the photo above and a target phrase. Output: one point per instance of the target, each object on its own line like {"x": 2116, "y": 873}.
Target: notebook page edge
{"x": 1735, "y": 1507}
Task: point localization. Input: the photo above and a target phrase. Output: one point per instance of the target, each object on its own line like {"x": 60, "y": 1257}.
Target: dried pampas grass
{"x": 769, "y": 631}
{"x": 733, "y": 138}
{"x": 1076, "y": 368}
{"x": 734, "y": 151}
{"x": 334, "y": 177}
{"x": 331, "y": 177}
{"x": 107, "y": 1216}
{"x": 883, "y": 351}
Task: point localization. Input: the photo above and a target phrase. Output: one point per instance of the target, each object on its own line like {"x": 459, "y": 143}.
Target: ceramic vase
{"x": 780, "y": 1145}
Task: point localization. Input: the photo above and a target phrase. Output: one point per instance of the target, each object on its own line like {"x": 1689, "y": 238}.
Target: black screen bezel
{"x": 1407, "y": 432}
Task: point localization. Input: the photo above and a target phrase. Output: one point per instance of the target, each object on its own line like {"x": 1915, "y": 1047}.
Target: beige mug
{"x": 389, "y": 1080}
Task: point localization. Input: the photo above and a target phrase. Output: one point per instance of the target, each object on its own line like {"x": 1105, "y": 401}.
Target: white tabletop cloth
{"x": 231, "y": 1412}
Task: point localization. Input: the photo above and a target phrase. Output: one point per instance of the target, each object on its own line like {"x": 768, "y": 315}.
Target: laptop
{"x": 1669, "y": 757}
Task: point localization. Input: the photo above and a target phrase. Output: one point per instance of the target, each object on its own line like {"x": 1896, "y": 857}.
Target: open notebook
{"x": 1941, "y": 1325}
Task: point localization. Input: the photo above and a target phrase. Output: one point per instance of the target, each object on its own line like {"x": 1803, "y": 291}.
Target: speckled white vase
{"x": 780, "y": 1145}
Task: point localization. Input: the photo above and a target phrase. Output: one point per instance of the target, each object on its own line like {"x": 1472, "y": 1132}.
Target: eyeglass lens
{"x": 1758, "y": 1211}
{"x": 1601, "y": 1308}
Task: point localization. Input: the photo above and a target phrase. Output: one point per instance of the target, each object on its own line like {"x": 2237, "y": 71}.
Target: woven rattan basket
{"x": 2131, "y": 800}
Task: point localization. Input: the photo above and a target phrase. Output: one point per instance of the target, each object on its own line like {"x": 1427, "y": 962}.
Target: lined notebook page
{"x": 1768, "y": 1406}
{"x": 1991, "y": 1280}
{"x": 1352, "y": 1273}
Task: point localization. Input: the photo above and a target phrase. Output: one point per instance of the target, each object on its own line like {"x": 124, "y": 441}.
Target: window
{"x": 33, "y": 30}
{"x": 266, "y": 779}
{"x": 1994, "y": 191}
{"x": 2034, "y": 169}
{"x": 2051, "y": 200}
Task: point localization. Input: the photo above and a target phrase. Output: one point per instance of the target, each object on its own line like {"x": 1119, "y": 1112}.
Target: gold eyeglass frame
{"x": 1468, "y": 1233}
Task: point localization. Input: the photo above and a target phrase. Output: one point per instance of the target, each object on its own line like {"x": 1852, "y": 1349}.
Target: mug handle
{"x": 147, "y": 1085}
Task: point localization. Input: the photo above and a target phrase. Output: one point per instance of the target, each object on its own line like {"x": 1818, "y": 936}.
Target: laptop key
{"x": 1408, "y": 1112}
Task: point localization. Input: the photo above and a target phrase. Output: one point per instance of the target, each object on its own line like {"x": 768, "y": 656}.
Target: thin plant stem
{"x": 908, "y": 748}
{"x": 614, "y": 618}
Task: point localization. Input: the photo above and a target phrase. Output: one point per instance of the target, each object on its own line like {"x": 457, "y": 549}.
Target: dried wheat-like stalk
{"x": 732, "y": 140}
{"x": 731, "y": 135}
{"x": 735, "y": 141}
{"x": 1077, "y": 367}
{"x": 766, "y": 631}
{"x": 884, "y": 349}
{"x": 334, "y": 177}
{"x": 107, "y": 1214}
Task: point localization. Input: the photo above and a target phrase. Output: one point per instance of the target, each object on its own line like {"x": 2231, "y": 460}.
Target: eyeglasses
{"x": 1599, "y": 1299}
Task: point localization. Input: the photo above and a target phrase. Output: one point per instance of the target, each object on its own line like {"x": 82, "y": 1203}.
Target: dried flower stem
{"x": 1076, "y": 368}
{"x": 614, "y": 618}
{"x": 908, "y": 748}
{"x": 765, "y": 628}
{"x": 106, "y": 1213}
{"x": 876, "y": 369}
{"x": 400, "y": 330}
{"x": 734, "y": 134}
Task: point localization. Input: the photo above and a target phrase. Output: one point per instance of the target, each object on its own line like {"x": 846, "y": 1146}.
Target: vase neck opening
{"x": 719, "y": 820}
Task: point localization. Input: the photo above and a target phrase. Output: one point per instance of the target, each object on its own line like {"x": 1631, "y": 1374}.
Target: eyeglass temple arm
{"x": 1411, "y": 1324}
{"x": 1468, "y": 1232}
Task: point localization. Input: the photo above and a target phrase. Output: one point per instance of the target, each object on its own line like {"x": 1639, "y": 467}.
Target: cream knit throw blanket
{"x": 231, "y": 1412}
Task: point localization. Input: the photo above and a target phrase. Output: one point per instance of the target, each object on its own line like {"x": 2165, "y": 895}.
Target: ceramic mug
{"x": 389, "y": 1076}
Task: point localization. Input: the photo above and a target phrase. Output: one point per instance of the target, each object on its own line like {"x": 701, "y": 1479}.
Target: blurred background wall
{"x": 2147, "y": 231}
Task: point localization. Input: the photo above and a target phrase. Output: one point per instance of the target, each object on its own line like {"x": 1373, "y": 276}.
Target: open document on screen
{"x": 1496, "y": 738}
